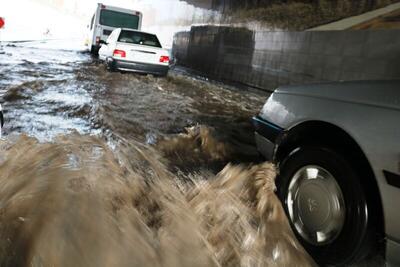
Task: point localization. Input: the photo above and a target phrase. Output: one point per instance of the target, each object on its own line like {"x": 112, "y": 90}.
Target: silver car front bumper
{"x": 267, "y": 135}
{"x": 265, "y": 146}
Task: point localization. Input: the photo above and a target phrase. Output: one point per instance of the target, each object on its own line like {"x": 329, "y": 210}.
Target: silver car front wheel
{"x": 316, "y": 205}
{"x": 326, "y": 205}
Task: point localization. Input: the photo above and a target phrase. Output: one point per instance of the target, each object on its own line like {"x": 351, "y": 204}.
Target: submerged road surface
{"x": 48, "y": 90}
{"x": 120, "y": 169}
{"x": 112, "y": 169}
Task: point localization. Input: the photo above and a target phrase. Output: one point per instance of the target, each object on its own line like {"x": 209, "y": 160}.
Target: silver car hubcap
{"x": 316, "y": 205}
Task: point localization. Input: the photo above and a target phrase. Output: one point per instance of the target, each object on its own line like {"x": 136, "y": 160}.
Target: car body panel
{"x": 140, "y": 53}
{"x": 368, "y": 111}
{"x": 375, "y": 93}
{"x": 111, "y": 43}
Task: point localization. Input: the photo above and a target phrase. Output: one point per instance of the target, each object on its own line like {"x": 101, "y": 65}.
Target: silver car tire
{"x": 326, "y": 205}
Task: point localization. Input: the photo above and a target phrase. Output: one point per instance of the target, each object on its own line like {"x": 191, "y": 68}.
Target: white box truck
{"x": 106, "y": 19}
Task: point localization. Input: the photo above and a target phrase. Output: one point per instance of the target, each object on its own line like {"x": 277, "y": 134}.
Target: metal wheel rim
{"x": 316, "y": 205}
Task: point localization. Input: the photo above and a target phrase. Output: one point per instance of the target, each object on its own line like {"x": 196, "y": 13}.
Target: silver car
{"x": 337, "y": 146}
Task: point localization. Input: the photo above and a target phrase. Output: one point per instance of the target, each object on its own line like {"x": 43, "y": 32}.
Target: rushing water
{"x": 111, "y": 169}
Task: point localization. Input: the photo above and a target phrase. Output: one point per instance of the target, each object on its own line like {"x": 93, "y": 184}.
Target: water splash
{"x": 76, "y": 202}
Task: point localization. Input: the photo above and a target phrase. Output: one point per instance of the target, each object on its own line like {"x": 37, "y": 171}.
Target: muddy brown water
{"x": 111, "y": 169}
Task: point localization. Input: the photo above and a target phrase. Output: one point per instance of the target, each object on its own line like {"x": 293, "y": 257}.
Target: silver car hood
{"x": 377, "y": 93}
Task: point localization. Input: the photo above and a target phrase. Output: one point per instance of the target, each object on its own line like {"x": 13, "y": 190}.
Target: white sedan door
{"x": 107, "y": 49}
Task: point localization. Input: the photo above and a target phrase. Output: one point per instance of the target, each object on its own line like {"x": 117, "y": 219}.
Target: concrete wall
{"x": 266, "y": 60}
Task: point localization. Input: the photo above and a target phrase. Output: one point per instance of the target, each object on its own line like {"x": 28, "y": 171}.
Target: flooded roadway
{"x": 47, "y": 91}
{"x": 118, "y": 169}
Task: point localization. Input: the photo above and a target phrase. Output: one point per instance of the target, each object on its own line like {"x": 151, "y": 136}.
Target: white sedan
{"x": 130, "y": 50}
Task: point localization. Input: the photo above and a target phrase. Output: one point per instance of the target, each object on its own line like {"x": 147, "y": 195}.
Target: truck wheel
{"x": 94, "y": 50}
{"x": 326, "y": 205}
